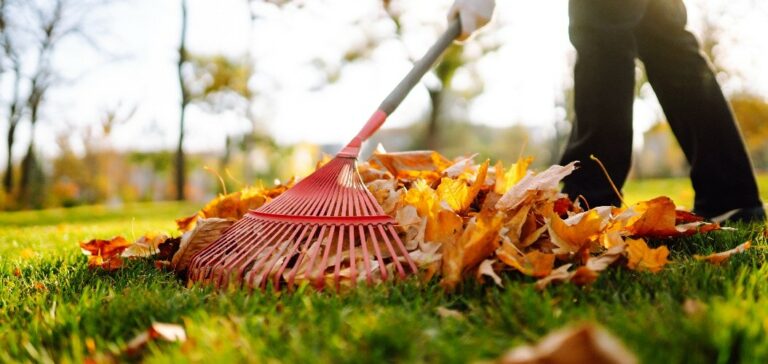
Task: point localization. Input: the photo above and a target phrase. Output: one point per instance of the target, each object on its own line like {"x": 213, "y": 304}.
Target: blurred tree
{"x": 32, "y": 33}
{"x": 185, "y": 99}
{"x": 15, "y": 104}
{"x": 751, "y": 113}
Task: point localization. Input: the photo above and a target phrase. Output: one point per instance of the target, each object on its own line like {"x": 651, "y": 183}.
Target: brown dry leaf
{"x": 545, "y": 182}
{"x": 641, "y": 257}
{"x": 534, "y": 263}
{"x": 694, "y": 307}
{"x": 386, "y": 193}
{"x": 105, "y": 253}
{"x": 486, "y": 269}
{"x": 560, "y": 274}
{"x": 145, "y": 246}
{"x": 404, "y": 163}
{"x": 586, "y": 343}
{"x": 506, "y": 179}
{"x": 577, "y": 232}
{"x": 449, "y": 313}
{"x": 205, "y": 232}
{"x": 156, "y": 331}
{"x": 719, "y": 258}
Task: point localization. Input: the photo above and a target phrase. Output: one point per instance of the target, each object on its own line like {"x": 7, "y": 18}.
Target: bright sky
{"x": 522, "y": 80}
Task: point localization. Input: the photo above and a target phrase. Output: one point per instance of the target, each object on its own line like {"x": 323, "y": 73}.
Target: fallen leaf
{"x": 145, "y": 246}
{"x": 655, "y": 218}
{"x": 534, "y": 263}
{"x": 560, "y": 274}
{"x": 545, "y": 182}
{"x": 641, "y": 257}
{"x": 577, "y": 232}
{"x": 486, "y": 269}
{"x": 400, "y": 163}
{"x": 449, "y": 313}
{"x": 719, "y": 258}
{"x": 478, "y": 241}
{"x": 156, "y": 331}
{"x": 105, "y": 253}
{"x": 585, "y": 343}
{"x": 506, "y": 179}
{"x": 694, "y": 307}
{"x": 205, "y": 232}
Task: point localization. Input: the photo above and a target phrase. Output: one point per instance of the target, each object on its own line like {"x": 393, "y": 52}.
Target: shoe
{"x": 740, "y": 215}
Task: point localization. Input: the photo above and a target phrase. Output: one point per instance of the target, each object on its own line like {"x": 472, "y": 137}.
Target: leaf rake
{"x": 327, "y": 229}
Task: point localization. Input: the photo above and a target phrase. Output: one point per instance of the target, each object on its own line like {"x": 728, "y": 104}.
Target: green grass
{"x": 56, "y": 305}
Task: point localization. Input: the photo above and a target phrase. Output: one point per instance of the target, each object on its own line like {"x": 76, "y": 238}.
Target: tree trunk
{"x": 432, "y": 139}
{"x": 8, "y": 177}
{"x": 180, "y": 160}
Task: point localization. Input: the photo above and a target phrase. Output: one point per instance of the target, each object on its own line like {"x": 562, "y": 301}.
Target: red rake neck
{"x": 352, "y": 150}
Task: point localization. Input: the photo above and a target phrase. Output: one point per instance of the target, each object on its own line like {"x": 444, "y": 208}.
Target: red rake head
{"x": 327, "y": 228}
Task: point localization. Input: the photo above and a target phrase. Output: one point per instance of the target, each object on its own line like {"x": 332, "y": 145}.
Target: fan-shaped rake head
{"x": 328, "y": 229}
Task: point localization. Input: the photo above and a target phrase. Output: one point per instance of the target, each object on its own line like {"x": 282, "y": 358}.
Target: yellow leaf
{"x": 641, "y": 257}
{"x": 454, "y": 192}
{"x": 506, "y": 179}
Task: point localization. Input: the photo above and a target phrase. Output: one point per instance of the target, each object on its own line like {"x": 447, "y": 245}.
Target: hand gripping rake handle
{"x": 402, "y": 89}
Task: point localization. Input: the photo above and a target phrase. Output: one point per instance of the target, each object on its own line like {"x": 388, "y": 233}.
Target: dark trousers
{"x": 608, "y": 35}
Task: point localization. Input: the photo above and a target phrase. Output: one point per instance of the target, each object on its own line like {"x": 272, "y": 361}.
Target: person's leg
{"x": 721, "y": 172}
{"x": 602, "y": 31}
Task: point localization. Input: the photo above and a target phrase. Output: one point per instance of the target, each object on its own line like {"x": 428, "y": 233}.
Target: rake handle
{"x": 402, "y": 89}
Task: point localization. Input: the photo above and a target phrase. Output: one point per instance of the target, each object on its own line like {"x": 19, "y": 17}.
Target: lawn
{"x": 53, "y": 309}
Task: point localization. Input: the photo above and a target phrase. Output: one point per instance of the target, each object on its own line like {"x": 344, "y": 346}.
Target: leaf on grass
{"x": 586, "y": 343}
{"x": 449, "y": 313}
{"x": 641, "y": 257}
{"x": 105, "y": 253}
{"x": 545, "y": 182}
{"x": 486, "y": 269}
{"x": 145, "y": 246}
{"x": 719, "y": 258}
{"x": 205, "y": 232}
{"x": 156, "y": 331}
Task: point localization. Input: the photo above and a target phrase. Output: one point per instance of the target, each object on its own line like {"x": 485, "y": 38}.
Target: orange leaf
{"x": 656, "y": 218}
{"x": 105, "y": 253}
{"x": 478, "y": 241}
{"x": 406, "y": 162}
{"x": 719, "y": 258}
{"x": 576, "y": 233}
{"x": 641, "y": 257}
{"x": 534, "y": 263}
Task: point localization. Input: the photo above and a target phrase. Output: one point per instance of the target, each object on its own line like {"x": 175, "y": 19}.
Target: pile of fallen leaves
{"x": 461, "y": 218}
